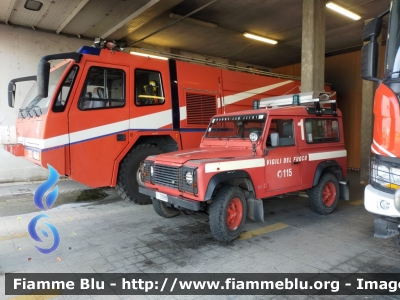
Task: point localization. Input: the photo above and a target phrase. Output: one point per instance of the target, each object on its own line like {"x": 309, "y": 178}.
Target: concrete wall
{"x": 20, "y": 52}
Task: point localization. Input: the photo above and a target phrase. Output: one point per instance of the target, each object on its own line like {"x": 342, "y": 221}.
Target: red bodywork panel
{"x": 386, "y": 123}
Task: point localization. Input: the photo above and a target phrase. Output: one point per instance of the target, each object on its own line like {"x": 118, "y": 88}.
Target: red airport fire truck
{"x": 250, "y": 155}
{"x": 382, "y": 195}
{"x": 96, "y": 115}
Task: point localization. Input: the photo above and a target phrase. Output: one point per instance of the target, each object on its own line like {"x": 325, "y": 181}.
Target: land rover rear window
{"x": 321, "y": 130}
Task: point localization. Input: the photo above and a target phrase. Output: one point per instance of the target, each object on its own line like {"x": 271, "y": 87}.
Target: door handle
{"x": 295, "y": 162}
{"x": 121, "y": 137}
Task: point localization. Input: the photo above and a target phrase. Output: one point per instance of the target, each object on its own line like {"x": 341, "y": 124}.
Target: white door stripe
{"x": 234, "y": 165}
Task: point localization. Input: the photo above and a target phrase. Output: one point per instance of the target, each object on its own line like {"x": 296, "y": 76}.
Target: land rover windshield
{"x": 34, "y": 105}
{"x": 236, "y": 127}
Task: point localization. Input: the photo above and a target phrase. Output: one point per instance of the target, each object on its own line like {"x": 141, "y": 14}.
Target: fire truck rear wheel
{"x": 228, "y": 213}
{"x": 128, "y": 182}
{"x": 163, "y": 210}
{"x": 324, "y": 197}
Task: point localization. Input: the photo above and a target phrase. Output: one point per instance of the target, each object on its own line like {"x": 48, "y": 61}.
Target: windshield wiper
{"x": 41, "y": 113}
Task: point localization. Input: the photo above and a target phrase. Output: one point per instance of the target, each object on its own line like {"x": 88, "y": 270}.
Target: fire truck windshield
{"x": 392, "y": 65}
{"x": 236, "y": 126}
{"x": 34, "y": 105}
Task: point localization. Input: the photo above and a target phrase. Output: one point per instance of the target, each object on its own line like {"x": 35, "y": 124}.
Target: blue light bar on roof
{"x": 89, "y": 50}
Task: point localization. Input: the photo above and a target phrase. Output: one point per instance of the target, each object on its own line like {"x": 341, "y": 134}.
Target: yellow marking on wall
{"x": 13, "y": 236}
{"x": 357, "y": 202}
{"x": 262, "y": 230}
{"x": 37, "y": 296}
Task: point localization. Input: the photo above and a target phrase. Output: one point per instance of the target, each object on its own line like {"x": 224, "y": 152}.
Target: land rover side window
{"x": 148, "y": 88}
{"x": 63, "y": 94}
{"x": 321, "y": 130}
{"x": 104, "y": 88}
{"x": 285, "y": 130}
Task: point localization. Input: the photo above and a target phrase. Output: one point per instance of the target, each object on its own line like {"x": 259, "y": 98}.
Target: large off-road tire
{"x": 228, "y": 213}
{"x": 324, "y": 197}
{"x": 163, "y": 210}
{"x": 129, "y": 176}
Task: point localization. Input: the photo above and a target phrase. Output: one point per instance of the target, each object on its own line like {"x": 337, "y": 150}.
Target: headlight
{"x": 189, "y": 178}
{"x": 383, "y": 174}
{"x": 395, "y": 174}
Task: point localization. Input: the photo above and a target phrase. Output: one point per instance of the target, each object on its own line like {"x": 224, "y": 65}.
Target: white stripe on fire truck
{"x": 327, "y": 155}
{"x": 250, "y": 93}
{"x": 234, "y": 165}
{"x": 383, "y": 149}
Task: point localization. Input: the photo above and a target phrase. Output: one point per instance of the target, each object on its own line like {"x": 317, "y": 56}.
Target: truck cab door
{"x": 282, "y": 164}
{"x": 99, "y": 122}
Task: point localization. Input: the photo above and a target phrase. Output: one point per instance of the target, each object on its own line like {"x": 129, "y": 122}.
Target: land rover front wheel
{"x": 129, "y": 177}
{"x": 324, "y": 197}
{"x": 228, "y": 213}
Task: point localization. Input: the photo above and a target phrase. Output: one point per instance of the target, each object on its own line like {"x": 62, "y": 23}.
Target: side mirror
{"x": 369, "y": 52}
{"x": 373, "y": 29}
{"x": 274, "y": 139}
{"x": 11, "y": 94}
{"x": 43, "y": 78}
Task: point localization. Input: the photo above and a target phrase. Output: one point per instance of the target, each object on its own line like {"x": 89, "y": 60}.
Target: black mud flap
{"x": 344, "y": 191}
{"x": 255, "y": 210}
{"x": 385, "y": 229}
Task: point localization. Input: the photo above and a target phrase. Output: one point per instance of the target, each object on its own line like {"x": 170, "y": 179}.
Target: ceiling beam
{"x": 129, "y": 18}
{"x": 77, "y": 9}
{"x": 10, "y": 10}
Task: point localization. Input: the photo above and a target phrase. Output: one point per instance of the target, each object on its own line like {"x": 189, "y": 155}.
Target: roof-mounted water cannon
{"x": 110, "y": 45}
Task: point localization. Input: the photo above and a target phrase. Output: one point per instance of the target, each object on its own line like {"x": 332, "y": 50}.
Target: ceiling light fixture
{"x": 193, "y": 20}
{"x": 148, "y": 55}
{"x": 342, "y": 11}
{"x": 33, "y": 5}
{"x": 259, "y": 38}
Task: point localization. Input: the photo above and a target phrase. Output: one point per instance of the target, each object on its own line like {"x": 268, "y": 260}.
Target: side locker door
{"x": 282, "y": 165}
{"x": 99, "y": 122}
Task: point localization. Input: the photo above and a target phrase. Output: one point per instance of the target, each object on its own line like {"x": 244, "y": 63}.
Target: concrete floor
{"x": 116, "y": 236}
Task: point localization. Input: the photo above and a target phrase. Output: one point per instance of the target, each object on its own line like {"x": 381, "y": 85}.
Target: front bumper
{"x": 372, "y": 202}
{"x": 176, "y": 201}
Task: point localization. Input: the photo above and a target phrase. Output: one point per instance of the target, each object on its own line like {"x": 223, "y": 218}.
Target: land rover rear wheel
{"x": 324, "y": 197}
{"x": 129, "y": 176}
{"x": 163, "y": 210}
{"x": 228, "y": 213}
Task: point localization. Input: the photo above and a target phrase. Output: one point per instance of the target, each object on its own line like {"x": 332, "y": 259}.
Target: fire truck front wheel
{"x": 128, "y": 180}
{"x": 228, "y": 213}
{"x": 163, "y": 210}
{"x": 324, "y": 197}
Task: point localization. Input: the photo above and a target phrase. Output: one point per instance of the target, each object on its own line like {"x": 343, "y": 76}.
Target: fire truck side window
{"x": 321, "y": 130}
{"x": 104, "y": 88}
{"x": 285, "y": 129}
{"x": 148, "y": 88}
{"x": 63, "y": 94}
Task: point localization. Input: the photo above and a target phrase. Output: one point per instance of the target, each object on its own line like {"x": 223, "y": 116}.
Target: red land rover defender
{"x": 248, "y": 156}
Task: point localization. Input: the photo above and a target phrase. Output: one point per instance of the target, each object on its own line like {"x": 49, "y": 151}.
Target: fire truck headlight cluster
{"x": 189, "y": 178}
{"x": 385, "y": 175}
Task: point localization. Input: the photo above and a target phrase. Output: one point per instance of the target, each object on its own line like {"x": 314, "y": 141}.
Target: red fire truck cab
{"x": 96, "y": 115}
{"x": 250, "y": 155}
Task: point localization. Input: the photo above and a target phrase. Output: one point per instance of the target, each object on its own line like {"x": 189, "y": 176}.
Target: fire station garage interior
{"x": 97, "y": 96}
